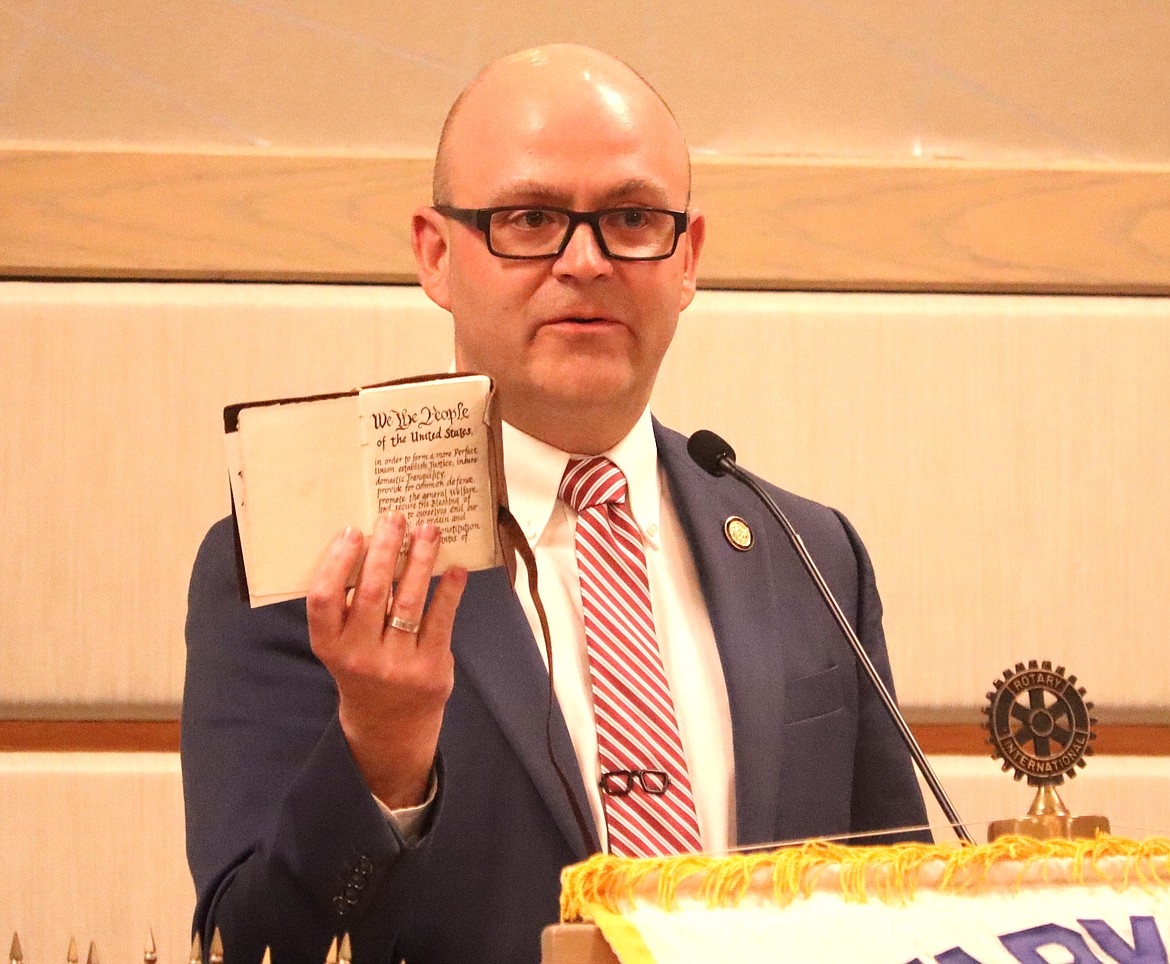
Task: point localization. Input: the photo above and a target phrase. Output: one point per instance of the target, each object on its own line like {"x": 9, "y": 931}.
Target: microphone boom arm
{"x": 728, "y": 465}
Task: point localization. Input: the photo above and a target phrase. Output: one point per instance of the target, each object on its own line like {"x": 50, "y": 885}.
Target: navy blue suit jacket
{"x": 287, "y": 847}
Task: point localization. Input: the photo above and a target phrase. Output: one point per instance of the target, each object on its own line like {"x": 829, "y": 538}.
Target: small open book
{"x": 302, "y": 469}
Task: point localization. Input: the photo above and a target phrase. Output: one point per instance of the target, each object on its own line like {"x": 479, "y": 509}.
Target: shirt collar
{"x": 534, "y": 470}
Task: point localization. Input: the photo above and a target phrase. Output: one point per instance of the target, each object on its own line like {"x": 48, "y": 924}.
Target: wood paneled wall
{"x": 92, "y": 843}
{"x": 113, "y": 462}
{"x": 1002, "y": 456}
{"x": 1132, "y": 792}
{"x": 92, "y": 847}
{"x": 775, "y": 223}
{"x": 1005, "y": 459}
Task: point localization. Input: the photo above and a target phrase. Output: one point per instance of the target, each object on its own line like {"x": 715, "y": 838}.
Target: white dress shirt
{"x": 686, "y": 640}
{"x": 682, "y": 625}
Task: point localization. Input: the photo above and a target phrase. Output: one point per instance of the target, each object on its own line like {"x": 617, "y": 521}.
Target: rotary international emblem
{"x": 1039, "y": 723}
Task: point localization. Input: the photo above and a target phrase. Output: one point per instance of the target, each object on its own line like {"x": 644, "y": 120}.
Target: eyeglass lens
{"x": 627, "y": 232}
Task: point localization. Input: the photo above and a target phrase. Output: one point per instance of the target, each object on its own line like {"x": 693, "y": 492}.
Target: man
{"x": 378, "y": 764}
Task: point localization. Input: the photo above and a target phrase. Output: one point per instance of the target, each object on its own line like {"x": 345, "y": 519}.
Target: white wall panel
{"x": 1005, "y": 459}
{"x": 93, "y": 843}
{"x": 1133, "y": 792}
{"x": 92, "y": 847}
{"x": 112, "y": 467}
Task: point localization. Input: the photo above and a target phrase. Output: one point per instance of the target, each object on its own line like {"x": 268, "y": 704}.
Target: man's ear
{"x": 693, "y": 244}
{"x": 429, "y": 239}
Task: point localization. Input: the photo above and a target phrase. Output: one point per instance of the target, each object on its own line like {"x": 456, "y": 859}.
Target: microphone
{"x": 708, "y": 451}
{"x": 714, "y": 456}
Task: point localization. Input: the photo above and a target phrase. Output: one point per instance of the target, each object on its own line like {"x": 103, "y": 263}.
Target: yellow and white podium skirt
{"x": 1017, "y": 900}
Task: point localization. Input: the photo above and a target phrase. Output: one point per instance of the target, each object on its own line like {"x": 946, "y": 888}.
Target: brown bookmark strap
{"x": 514, "y": 542}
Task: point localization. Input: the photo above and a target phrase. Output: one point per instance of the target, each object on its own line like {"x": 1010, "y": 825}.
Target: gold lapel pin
{"x": 738, "y": 533}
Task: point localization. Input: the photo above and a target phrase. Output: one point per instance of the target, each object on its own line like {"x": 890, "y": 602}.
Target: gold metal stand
{"x": 1048, "y": 819}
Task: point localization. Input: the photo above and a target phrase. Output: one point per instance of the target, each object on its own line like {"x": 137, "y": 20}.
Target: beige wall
{"x": 1005, "y": 458}
{"x": 113, "y": 463}
{"x": 93, "y": 848}
{"x": 93, "y": 842}
{"x": 990, "y": 81}
{"x": 839, "y": 146}
{"x": 1002, "y": 456}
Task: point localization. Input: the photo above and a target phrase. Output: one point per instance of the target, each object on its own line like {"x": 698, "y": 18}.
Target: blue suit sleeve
{"x": 885, "y": 789}
{"x": 286, "y": 845}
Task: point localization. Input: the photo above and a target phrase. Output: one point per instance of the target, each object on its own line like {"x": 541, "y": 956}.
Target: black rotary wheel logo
{"x": 1039, "y": 723}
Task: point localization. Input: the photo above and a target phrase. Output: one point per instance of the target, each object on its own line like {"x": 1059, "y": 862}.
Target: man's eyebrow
{"x": 527, "y": 192}
{"x": 635, "y": 189}
{"x": 638, "y": 189}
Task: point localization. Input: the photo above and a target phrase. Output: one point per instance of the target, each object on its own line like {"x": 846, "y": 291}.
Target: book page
{"x": 300, "y": 486}
{"x": 426, "y": 453}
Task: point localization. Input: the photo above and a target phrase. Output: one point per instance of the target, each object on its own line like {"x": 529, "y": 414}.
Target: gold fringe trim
{"x": 889, "y": 873}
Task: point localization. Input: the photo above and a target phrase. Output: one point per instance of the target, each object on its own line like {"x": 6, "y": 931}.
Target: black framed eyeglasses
{"x": 617, "y": 783}
{"x": 526, "y": 232}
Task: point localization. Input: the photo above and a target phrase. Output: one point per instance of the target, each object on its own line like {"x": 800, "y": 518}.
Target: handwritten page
{"x": 425, "y": 453}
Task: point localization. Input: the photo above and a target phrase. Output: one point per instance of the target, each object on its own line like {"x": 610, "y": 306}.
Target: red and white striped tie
{"x": 637, "y": 735}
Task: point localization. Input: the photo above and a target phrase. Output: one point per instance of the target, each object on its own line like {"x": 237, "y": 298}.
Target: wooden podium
{"x": 575, "y": 944}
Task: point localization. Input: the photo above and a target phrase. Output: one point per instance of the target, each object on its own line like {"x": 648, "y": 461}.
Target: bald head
{"x": 573, "y": 339}
{"x": 570, "y": 73}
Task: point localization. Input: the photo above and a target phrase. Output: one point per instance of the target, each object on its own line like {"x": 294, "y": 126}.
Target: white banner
{"x": 1109, "y": 902}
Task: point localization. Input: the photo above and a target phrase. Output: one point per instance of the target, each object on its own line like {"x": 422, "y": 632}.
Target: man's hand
{"x": 392, "y": 684}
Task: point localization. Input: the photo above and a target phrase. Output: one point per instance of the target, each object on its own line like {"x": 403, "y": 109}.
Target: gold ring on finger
{"x": 406, "y": 625}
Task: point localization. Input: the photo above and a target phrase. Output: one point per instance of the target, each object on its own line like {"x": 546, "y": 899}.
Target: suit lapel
{"x": 743, "y": 593}
{"x": 494, "y": 648}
